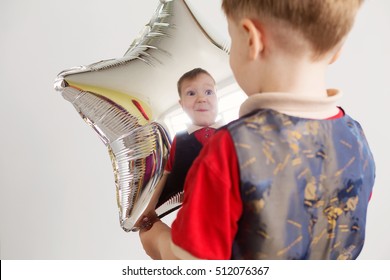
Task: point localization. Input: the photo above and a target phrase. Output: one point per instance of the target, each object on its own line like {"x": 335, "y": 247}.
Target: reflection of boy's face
{"x": 198, "y": 100}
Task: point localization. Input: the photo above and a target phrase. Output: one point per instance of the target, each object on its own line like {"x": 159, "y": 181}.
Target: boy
{"x": 198, "y": 99}
{"x": 292, "y": 177}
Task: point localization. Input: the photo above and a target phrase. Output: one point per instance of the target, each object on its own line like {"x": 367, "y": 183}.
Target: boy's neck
{"x": 297, "y": 76}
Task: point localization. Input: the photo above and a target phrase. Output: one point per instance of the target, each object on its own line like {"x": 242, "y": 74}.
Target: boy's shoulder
{"x": 245, "y": 118}
{"x": 266, "y": 120}
{"x": 182, "y": 135}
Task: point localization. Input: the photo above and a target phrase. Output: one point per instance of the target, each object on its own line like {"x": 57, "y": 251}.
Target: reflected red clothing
{"x": 202, "y": 135}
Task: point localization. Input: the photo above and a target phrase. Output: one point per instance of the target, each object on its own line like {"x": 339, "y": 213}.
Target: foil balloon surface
{"x": 124, "y": 100}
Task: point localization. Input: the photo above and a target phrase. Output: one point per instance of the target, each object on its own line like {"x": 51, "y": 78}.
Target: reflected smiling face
{"x": 198, "y": 100}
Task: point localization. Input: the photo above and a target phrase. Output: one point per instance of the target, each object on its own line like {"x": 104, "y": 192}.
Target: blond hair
{"x": 323, "y": 23}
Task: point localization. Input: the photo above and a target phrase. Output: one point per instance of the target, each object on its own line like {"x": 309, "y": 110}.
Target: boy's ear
{"x": 254, "y": 38}
{"x": 335, "y": 56}
{"x": 180, "y": 103}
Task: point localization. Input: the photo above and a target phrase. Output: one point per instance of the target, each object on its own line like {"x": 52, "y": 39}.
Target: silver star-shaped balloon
{"x": 124, "y": 99}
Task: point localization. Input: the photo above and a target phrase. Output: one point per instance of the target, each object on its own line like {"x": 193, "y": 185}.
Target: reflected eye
{"x": 190, "y": 93}
{"x": 209, "y": 92}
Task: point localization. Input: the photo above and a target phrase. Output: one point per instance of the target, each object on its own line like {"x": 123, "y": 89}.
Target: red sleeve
{"x": 206, "y": 224}
{"x": 171, "y": 158}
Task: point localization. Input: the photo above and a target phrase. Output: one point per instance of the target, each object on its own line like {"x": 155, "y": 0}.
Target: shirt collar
{"x": 293, "y": 104}
{"x": 191, "y": 128}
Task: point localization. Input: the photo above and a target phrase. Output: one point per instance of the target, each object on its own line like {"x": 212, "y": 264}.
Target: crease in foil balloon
{"x": 138, "y": 152}
{"x": 124, "y": 100}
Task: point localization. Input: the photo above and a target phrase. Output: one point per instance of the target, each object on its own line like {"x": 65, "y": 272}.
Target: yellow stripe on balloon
{"x": 133, "y": 105}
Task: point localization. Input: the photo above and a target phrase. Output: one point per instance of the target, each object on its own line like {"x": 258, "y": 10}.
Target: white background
{"x": 57, "y": 193}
